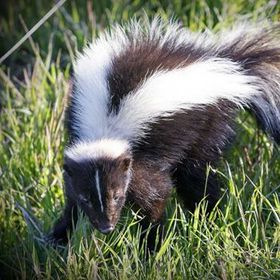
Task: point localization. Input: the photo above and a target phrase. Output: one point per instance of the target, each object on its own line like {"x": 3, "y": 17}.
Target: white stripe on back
{"x": 168, "y": 92}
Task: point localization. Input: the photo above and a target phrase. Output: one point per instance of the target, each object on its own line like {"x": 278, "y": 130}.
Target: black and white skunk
{"x": 152, "y": 104}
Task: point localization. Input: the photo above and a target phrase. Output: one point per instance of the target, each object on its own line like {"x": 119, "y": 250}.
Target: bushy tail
{"x": 257, "y": 49}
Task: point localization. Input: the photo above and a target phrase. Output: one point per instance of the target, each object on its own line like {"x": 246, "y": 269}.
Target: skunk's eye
{"x": 85, "y": 200}
{"x": 116, "y": 197}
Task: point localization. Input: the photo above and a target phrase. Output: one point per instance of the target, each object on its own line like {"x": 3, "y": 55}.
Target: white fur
{"x": 110, "y": 148}
{"x": 91, "y": 91}
{"x": 98, "y": 189}
{"x": 244, "y": 32}
{"x": 165, "y": 93}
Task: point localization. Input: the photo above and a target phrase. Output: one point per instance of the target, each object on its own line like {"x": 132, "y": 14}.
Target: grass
{"x": 240, "y": 239}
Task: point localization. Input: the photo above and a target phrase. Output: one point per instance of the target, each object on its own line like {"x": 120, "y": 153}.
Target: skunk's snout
{"x": 106, "y": 228}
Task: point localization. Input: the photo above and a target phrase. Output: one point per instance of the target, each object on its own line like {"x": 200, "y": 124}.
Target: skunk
{"x": 152, "y": 105}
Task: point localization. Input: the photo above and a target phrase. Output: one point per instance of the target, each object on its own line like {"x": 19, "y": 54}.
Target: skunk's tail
{"x": 257, "y": 49}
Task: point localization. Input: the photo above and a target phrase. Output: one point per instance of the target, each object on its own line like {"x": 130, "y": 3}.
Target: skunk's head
{"x": 97, "y": 176}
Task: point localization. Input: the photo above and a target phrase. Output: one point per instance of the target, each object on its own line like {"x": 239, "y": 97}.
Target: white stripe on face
{"x": 98, "y": 189}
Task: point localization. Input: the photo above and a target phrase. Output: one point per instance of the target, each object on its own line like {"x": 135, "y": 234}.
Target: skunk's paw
{"x": 53, "y": 240}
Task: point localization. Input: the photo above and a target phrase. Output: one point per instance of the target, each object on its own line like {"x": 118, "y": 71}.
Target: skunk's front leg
{"x": 65, "y": 223}
{"x": 149, "y": 190}
{"x": 154, "y": 224}
{"x": 68, "y": 218}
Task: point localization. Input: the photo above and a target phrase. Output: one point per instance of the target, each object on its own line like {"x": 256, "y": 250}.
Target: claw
{"x": 51, "y": 240}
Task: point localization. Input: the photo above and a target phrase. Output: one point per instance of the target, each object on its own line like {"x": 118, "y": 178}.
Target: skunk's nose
{"x": 106, "y": 229}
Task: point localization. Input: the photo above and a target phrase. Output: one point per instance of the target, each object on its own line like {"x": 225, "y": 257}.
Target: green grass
{"x": 240, "y": 239}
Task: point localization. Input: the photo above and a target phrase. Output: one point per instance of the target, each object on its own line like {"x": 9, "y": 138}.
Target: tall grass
{"x": 239, "y": 240}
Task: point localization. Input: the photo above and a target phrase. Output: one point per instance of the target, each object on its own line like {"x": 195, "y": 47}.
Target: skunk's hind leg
{"x": 195, "y": 182}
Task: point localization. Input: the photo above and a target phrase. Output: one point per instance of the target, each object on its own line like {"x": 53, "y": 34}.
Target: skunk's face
{"x": 99, "y": 188}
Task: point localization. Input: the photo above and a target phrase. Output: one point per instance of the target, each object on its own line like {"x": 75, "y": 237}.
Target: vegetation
{"x": 239, "y": 240}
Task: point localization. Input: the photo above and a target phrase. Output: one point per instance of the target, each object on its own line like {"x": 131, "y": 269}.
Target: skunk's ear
{"x": 124, "y": 162}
